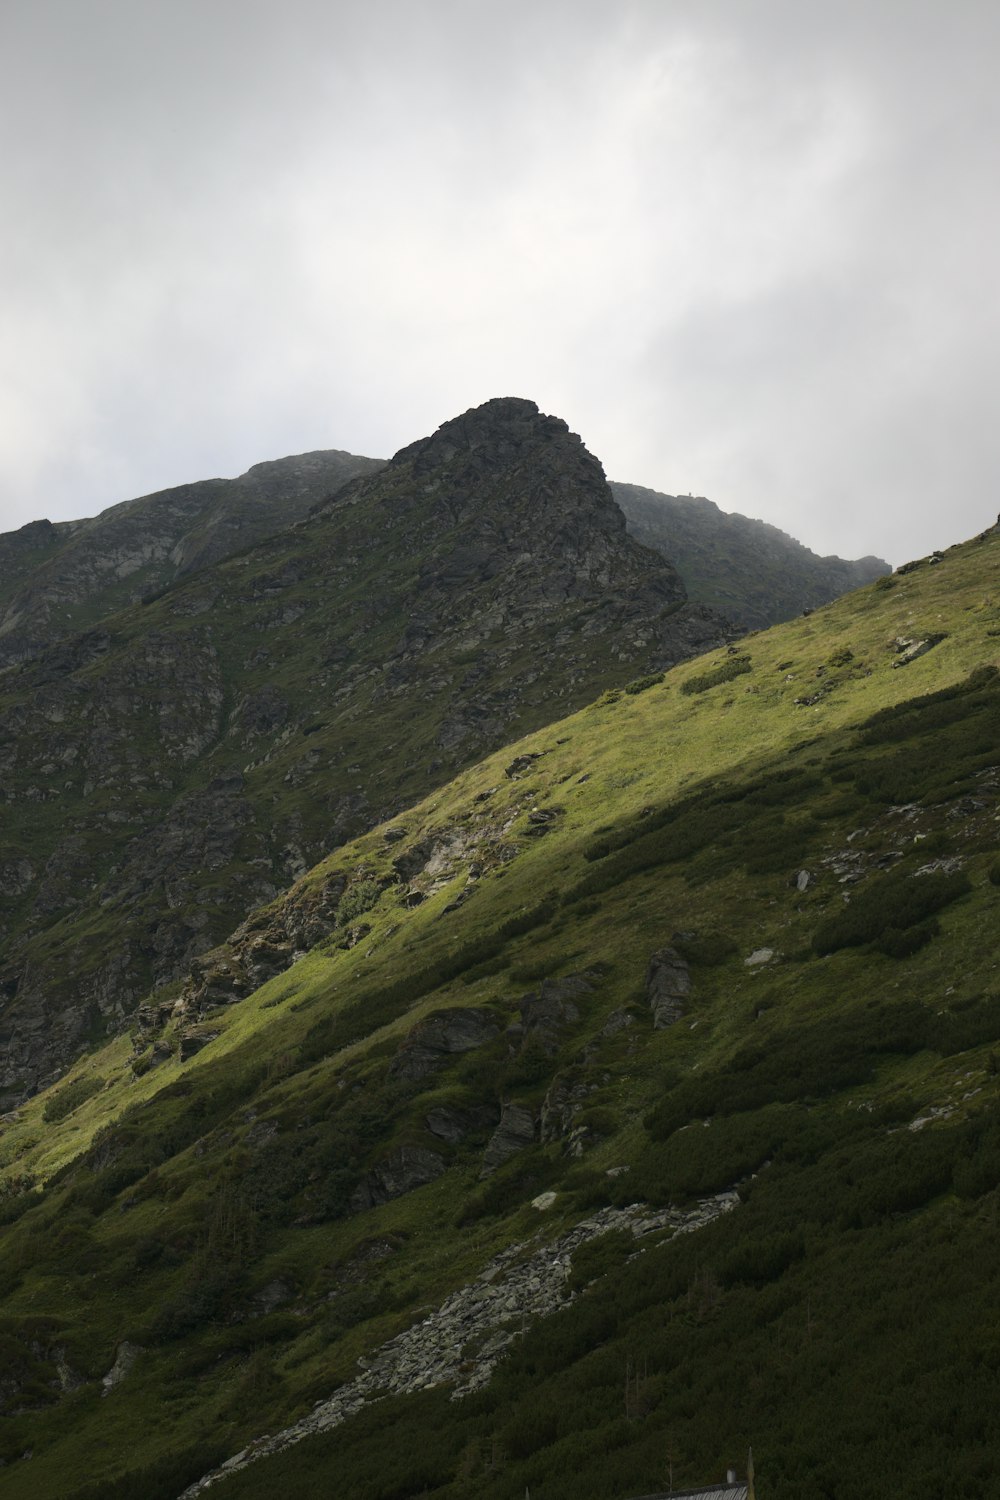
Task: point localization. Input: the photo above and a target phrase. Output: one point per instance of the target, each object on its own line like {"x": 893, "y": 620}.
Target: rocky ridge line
{"x": 58, "y": 577}
{"x": 752, "y": 571}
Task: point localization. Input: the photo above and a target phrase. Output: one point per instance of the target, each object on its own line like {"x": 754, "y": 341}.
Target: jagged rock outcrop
{"x": 564, "y": 1099}
{"x": 754, "y": 573}
{"x": 454, "y": 1123}
{"x": 432, "y": 1041}
{"x": 404, "y": 1169}
{"x": 515, "y": 1131}
{"x": 668, "y": 985}
{"x": 195, "y": 755}
{"x": 548, "y": 1012}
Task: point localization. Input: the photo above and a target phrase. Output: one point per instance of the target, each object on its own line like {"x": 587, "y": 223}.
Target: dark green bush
{"x": 358, "y": 899}
{"x": 704, "y": 1158}
{"x": 707, "y": 948}
{"x": 811, "y": 1062}
{"x": 597, "y": 1257}
{"x": 892, "y": 902}
{"x": 761, "y": 1258}
{"x": 531, "y": 1173}
{"x": 897, "y": 942}
{"x": 162, "y": 1480}
{"x": 71, "y": 1097}
{"x": 736, "y": 666}
{"x": 640, "y": 684}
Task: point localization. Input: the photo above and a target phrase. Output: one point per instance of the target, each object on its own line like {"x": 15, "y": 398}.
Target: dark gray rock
{"x": 453, "y": 1124}
{"x": 404, "y": 1169}
{"x": 668, "y": 985}
{"x": 547, "y": 1013}
{"x": 908, "y": 649}
{"x": 192, "y": 1043}
{"x": 519, "y": 765}
{"x": 441, "y": 1035}
{"x": 562, "y": 1103}
{"x": 125, "y": 1358}
{"x": 515, "y": 1131}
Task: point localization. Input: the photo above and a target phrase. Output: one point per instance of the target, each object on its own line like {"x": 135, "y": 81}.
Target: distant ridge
{"x": 63, "y": 576}
{"x": 751, "y": 571}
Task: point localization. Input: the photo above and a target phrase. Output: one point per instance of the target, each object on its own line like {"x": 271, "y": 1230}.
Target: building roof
{"x": 707, "y": 1492}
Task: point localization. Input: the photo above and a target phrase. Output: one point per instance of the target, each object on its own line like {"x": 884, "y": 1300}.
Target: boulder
{"x": 452, "y": 1123}
{"x": 548, "y": 1011}
{"x": 125, "y": 1358}
{"x": 439, "y": 1036}
{"x": 515, "y": 1131}
{"x": 668, "y": 986}
{"x": 404, "y": 1169}
{"x": 563, "y": 1102}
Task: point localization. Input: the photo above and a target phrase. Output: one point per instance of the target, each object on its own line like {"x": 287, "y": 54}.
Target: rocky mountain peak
{"x": 503, "y": 426}
{"x": 510, "y": 434}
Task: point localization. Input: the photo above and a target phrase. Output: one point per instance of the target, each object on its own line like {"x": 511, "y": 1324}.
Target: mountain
{"x": 182, "y": 760}
{"x": 637, "y": 1088}
{"x": 58, "y": 579}
{"x": 749, "y": 570}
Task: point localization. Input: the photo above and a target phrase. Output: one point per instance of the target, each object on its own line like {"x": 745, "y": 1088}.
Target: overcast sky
{"x": 746, "y": 248}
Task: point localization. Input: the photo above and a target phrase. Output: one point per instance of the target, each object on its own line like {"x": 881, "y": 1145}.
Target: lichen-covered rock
{"x": 548, "y": 1012}
{"x": 125, "y": 1359}
{"x": 562, "y": 1103}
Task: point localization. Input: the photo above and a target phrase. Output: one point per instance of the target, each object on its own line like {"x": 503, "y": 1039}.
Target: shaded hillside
{"x": 751, "y": 571}
{"x": 56, "y": 579}
{"x": 186, "y": 758}
{"x": 641, "y": 1083}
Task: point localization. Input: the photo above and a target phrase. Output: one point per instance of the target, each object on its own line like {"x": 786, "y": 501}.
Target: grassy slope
{"x": 734, "y": 1350}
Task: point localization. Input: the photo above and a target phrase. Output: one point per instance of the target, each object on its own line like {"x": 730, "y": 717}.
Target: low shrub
{"x": 356, "y": 900}
{"x": 641, "y": 684}
{"x": 887, "y": 904}
{"x": 597, "y": 1257}
{"x": 67, "y": 1099}
{"x": 736, "y": 666}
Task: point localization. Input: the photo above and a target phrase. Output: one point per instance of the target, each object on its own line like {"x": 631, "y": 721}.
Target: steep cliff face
{"x": 59, "y": 578}
{"x": 184, "y": 761}
{"x": 754, "y": 573}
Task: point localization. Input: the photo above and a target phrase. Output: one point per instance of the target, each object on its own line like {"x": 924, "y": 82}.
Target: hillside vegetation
{"x": 730, "y": 928}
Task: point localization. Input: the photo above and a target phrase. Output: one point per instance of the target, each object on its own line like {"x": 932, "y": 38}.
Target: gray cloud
{"x": 745, "y": 250}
